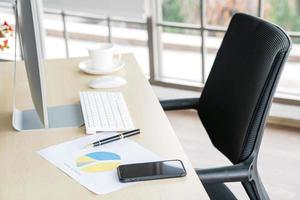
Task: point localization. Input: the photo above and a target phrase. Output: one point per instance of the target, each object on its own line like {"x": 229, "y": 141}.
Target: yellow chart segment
{"x": 84, "y": 159}
{"x": 98, "y": 162}
{"x": 101, "y": 167}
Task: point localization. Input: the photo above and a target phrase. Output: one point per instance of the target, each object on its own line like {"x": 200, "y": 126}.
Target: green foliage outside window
{"x": 285, "y": 14}
{"x": 182, "y": 11}
{"x": 172, "y": 11}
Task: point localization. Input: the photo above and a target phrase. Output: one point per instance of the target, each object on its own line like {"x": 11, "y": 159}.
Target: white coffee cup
{"x": 102, "y": 56}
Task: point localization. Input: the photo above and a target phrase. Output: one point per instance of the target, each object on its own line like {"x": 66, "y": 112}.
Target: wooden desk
{"x": 26, "y": 175}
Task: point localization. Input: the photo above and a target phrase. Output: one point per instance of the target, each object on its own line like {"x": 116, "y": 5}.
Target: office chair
{"x": 236, "y": 99}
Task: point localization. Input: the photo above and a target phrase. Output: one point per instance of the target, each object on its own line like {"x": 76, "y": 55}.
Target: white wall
{"x": 121, "y": 8}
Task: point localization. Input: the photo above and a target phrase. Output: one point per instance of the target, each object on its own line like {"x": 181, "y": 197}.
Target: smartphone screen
{"x": 151, "y": 171}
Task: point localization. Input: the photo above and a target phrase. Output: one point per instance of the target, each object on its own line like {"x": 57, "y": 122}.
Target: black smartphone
{"x": 151, "y": 170}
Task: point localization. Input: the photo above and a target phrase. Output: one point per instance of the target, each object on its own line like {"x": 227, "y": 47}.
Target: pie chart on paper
{"x": 99, "y": 161}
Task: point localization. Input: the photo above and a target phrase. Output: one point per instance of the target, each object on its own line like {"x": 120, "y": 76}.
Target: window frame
{"x": 204, "y": 29}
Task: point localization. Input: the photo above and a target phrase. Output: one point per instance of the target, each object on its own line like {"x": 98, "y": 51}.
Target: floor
{"x": 279, "y": 161}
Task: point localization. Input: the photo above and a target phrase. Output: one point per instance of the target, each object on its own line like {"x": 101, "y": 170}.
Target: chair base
{"x": 219, "y": 191}
{"x": 245, "y": 172}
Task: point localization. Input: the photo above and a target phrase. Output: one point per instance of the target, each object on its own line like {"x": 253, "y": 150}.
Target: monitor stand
{"x": 58, "y": 117}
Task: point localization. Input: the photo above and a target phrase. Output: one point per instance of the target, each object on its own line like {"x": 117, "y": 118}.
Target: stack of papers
{"x": 96, "y": 167}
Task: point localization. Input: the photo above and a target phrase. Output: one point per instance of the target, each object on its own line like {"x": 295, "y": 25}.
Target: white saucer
{"x": 86, "y": 67}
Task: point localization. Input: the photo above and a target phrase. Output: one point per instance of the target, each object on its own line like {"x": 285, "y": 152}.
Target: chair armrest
{"x": 180, "y": 104}
{"x": 232, "y": 173}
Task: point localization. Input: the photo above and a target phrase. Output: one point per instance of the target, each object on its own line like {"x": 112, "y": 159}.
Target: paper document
{"x": 96, "y": 168}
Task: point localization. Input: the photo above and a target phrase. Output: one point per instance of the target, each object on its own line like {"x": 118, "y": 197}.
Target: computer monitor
{"x": 41, "y": 117}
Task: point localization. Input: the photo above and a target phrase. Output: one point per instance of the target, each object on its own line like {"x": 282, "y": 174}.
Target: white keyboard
{"x": 105, "y": 111}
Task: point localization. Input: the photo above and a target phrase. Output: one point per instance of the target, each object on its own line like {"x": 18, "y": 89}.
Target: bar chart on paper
{"x": 99, "y": 161}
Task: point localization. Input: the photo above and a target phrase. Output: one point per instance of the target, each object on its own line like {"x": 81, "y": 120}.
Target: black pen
{"x": 114, "y": 138}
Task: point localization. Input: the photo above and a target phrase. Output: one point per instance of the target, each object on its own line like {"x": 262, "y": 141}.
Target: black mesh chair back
{"x": 238, "y": 93}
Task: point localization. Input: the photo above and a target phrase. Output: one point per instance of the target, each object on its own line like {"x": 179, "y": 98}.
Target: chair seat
{"x": 219, "y": 191}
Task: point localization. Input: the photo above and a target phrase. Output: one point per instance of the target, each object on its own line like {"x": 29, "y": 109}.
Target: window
{"x": 199, "y": 27}
{"x": 219, "y": 12}
{"x": 286, "y": 13}
{"x": 55, "y": 43}
{"x": 132, "y": 37}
